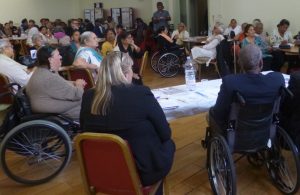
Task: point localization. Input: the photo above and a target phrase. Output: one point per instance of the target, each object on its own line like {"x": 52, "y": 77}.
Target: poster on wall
{"x": 98, "y": 13}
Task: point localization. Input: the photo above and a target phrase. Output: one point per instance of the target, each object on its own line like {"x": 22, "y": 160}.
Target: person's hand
{"x": 136, "y": 76}
{"x": 80, "y": 83}
{"x": 176, "y": 36}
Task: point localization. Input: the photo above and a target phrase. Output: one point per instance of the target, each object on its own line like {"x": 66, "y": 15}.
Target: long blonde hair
{"x": 111, "y": 73}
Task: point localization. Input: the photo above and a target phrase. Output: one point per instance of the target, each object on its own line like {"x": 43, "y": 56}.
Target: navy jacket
{"x": 136, "y": 116}
{"x": 255, "y": 88}
{"x": 99, "y": 31}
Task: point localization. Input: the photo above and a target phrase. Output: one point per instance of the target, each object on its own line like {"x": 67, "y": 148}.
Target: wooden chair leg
{"x": 166, "y": 187}
{"x": 217, "y": 69}
{"x": 199, "y": 71}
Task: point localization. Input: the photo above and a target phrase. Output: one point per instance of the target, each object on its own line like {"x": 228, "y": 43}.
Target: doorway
{"x": 194, "y": 13}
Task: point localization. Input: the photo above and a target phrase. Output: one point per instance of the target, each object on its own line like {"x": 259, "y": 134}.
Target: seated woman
{"x": 48, "y": 92}
{"x": 110, "y": 42}
{"x": 60, "y": 37}
{"x": 87, "y": 55}
{"x": 75, "y": 41}
{"x": 117, "y": 107}
{"x": 125, "y": 44}
{"x": 180, "y": 34}
{"x": 167, "y": 44}
{"x": 208, "y": 51}
{"x": 250, "y": 38}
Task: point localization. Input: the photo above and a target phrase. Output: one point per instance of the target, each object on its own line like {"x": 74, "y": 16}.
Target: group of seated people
{"x": 246, "y": 34}
{"x": 118, "y": 106}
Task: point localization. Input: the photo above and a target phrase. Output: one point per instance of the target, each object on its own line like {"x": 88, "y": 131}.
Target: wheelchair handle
{"x": 240, "y": 98}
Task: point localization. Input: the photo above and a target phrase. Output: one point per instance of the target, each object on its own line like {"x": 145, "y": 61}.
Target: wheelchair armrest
{"x": 286, "y": 92}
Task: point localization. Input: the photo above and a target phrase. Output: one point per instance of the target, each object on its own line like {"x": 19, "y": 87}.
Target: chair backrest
{"x": 224, "y": 57}
{"x": 252, "y": 124}
{"x": 81, "y": 73}
{"x": 6, "y": 99}
{"x": 107, "y": 165}
{"x": 144, "y": 63}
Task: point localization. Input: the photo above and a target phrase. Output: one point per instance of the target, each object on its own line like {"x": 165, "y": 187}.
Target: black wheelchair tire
{"x": 55, "y": 129}
{"x": 213, "y": 144}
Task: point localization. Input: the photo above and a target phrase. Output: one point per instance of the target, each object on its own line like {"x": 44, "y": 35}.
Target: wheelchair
{"x": 166, "y": 61}
{"x": 34, "y": 148}
{"x": 253, "y": 131}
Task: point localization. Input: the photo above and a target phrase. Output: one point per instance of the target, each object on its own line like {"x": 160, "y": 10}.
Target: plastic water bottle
{"x": 190, "y": 79}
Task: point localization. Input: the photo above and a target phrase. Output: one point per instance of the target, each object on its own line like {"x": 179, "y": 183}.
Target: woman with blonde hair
{"x": 130, "y": 111}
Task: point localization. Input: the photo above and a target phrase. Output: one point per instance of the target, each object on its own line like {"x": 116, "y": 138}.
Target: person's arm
{"x": 157, "y": 117}
{"x": 168, "y": 17}
{"x": 211, "y": 45}
{"x": 60, "y": 89}
{"x": 222, "y": 106}
{"x": 81, "y": 63}
{"x": 135, "y": 48}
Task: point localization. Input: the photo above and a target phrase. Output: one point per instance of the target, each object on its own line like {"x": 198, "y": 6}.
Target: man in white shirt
{"x": 233, "y": 27}
{"x": 32, "y": 30}
{"x": 15, "y": 72}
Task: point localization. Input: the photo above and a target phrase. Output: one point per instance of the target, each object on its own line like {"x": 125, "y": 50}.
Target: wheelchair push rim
{"x": 168, "y": 65}
{"x": 221, "y": 171}
{"x": 34, "y": 152}
{"x": 154, "y": 60}
{"x": 283, "y": 163}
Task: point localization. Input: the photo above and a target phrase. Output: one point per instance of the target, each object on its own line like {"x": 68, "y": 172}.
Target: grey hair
{"x": 35, "y": 37}
{"x": 220, "y": 27}
{"x": 250, "y": 57}
{"x": 3, "y": 44}
{"x": 85, "y": 37}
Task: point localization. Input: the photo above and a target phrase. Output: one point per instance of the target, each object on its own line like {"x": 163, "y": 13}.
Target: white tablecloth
{"x": 178, "y": 101}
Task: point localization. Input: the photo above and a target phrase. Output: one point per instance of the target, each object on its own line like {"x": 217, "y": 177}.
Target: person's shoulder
{"x": 274, "y": 75}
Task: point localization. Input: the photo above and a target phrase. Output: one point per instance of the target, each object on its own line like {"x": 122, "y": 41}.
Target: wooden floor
{"x": 188, "y": 175}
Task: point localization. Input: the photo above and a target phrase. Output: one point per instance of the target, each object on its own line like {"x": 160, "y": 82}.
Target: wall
{"x": 16, "y": 10}
{"x": 143, "y": 8}
{"x": 269, "y": 11}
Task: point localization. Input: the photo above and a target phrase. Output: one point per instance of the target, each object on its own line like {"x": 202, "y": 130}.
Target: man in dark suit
{"x": 255, "y": 87}
{"x": 290, "y": 109}
{"x": 100, "y": 27}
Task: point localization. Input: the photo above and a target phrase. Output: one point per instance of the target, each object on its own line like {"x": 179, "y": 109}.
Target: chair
{"x": 7, "y": 99}
{"x": 144, "y": 63}
{"x": 201, "y": 61}
{"x": 252, "y": 131}
{"x": 81, "y": 73}
{"x": 107, "y": 166}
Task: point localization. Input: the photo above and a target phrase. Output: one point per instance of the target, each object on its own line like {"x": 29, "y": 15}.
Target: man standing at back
{"x": 255, "y": 87}
{"x": 160, "y": 17}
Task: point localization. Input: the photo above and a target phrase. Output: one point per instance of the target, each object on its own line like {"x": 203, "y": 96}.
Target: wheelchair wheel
{"x": 34, "y": 152}
{"x": 154, "y": 60}
{"x": 168, "y": 65}
{"x": 283, "y": 163}
{"x": 221, "y": 171}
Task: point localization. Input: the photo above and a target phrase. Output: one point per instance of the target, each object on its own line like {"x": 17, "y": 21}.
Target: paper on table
{"x": 168, "y": 104}
{"x": 172, "y": 91}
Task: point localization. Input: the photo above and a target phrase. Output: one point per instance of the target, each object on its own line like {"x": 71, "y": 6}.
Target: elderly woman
{"x": 166, "y": 43}
{"x": 105, "y": 109}
{"x": 208, "y": 51}
{"x": 110, "y": 42}
{"x": 48, "y": 92}
{"x": 16, "y": 73}
{"x": 281, "y": 35}
{"x": 180, "y": 34}
{"x": 87, "y": 55}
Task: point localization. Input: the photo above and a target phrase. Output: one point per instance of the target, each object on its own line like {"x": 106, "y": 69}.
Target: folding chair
{"x": 107, "y": 166}
{"x": 144, "y": 63}
{"x": 81, "y": 73}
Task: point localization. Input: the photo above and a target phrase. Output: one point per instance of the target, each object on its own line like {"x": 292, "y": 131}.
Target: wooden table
{"x": 197, "y": 40}
{"x": 294, "y": 50}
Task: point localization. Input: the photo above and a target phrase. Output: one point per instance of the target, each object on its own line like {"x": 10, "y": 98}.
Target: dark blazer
{"x": 290, "y": 109}
{"x": 99, "y": 31}
{"x": 136, "y": 116}
{"x": 255, "y": 88}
